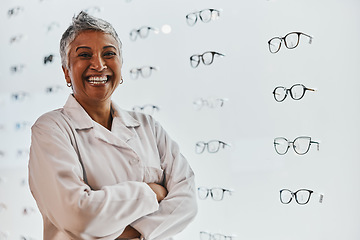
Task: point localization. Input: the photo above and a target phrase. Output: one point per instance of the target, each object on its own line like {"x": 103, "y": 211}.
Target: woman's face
{"x": 94, "y": 67}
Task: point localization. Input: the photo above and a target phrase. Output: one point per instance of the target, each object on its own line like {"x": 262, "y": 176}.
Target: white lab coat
{"x": 90, "y": 183}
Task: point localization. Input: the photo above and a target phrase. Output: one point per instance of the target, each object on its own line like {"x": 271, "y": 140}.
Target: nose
{"x": 98, "y": 63}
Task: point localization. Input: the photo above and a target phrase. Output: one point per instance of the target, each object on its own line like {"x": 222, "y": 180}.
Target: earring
{"x": 121, "y": 80}
{"x": 69, "y": 84}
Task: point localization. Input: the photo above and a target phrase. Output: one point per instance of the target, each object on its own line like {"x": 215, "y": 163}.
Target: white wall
{"x": 249, "y": 121}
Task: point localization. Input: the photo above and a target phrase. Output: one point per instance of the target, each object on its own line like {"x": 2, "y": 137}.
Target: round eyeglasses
{"x": 301, "y": 145}
{"x": 297, "y": 92}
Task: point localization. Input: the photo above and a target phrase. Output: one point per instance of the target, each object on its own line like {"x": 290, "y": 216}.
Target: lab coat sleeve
{"x": 56, "y": 182}
{"x": 179, "y": 207}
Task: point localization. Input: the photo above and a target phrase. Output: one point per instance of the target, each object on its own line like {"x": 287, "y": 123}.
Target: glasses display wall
{"x": 270, "y": 127}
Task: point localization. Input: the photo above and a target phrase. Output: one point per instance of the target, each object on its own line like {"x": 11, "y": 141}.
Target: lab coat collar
{"x": 82, "y": 120}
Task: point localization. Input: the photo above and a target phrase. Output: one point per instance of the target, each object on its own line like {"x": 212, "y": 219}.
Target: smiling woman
{"x": 97, "y": 171}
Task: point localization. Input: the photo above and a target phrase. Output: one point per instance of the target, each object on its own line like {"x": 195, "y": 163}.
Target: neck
{"x": 100, "y": 112}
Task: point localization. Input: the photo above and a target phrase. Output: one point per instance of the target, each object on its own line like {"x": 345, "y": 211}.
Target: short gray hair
{"x": 84, "y": 22}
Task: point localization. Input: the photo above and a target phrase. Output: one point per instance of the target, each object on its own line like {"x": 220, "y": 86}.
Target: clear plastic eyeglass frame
{"x": 214, "y": 236}
{"x": 301, "y": 145}
{"x": 216, "y": 193}
{"x": 297, "y": 92}
{"x": 144, "y": 71}
{"x": 147, "y": 109}
{"x": 207, "y": 58}
{"x": 291, "y": 41}
{"x": 142, "y": 32}
{"x": 212, "y": 146}
{"x": 211, "y": 103}
{"x": 205, "y": 15}
{"x": 302, "y": 196}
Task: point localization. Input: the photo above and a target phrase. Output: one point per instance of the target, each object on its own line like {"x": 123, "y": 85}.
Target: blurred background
{"x": 229, "y": 100}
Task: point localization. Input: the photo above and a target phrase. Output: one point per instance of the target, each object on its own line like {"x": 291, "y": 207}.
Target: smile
{"x": 97, "y": 79}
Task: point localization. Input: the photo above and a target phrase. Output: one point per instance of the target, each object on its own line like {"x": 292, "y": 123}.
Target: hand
{"x": 159, "y": 190}
{"x": 129, "y": 233}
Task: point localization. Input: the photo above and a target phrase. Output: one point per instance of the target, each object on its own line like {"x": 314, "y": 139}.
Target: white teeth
{"x": 97, "y": 79}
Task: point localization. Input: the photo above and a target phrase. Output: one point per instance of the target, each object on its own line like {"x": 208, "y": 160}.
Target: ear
{"x": 66, "y": 74}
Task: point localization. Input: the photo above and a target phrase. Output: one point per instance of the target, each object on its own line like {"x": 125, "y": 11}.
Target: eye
{"x": 84, "y": 55}
{"x": 109, "y": 54}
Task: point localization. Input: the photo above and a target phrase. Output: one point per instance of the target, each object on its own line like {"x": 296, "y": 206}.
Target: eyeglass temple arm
{"x": 321, "y": 197}
{"x": 317, "y": 143}
{"x": 310, "y": 37}
{"x": 311, "y": 89}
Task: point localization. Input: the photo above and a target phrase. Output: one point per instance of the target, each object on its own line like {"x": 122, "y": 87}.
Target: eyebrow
{"x": 108, "y": 46}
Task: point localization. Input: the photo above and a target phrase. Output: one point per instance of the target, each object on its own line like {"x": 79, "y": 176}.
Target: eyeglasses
{"x": 147, "y": 109}
{"x": 17, "y": 68}
{"x": 205, "y": 16}
{"x": 216, "y": 194}
{"x": 48, "y": 59}
{"x": 14, "y": 11}
{"x": 291, "y": 41}
{"x": 216, "y": 236}
{"x": 53, "y": 89}
{"x": 19, "y": 96}
{"x": 211, "y": 103}
{"x": 142, "y": 32}
{"x": 297, "y": 92}
{"x": 212, "y": 146}
{"x": 145, "y": 72}
{"x": 22, "y": 125}
{"x": 302, "y": 196}
{"x": 17, "y": 38}
{"x": 301, "y": 145}
{"x": 20, "y": 153}
{"x": 207, "y": 58}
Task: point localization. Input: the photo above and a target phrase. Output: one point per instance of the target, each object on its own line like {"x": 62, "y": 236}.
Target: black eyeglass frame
{"x": 287, "y": 90}
{"x": 200, "y": 57}
{"x": 284, "y": 39}
{"x": 294, "y": 195}
{"x": 292, "y": 143}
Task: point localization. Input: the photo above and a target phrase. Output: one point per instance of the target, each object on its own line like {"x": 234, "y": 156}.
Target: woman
{"x": 97, "y": 171}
